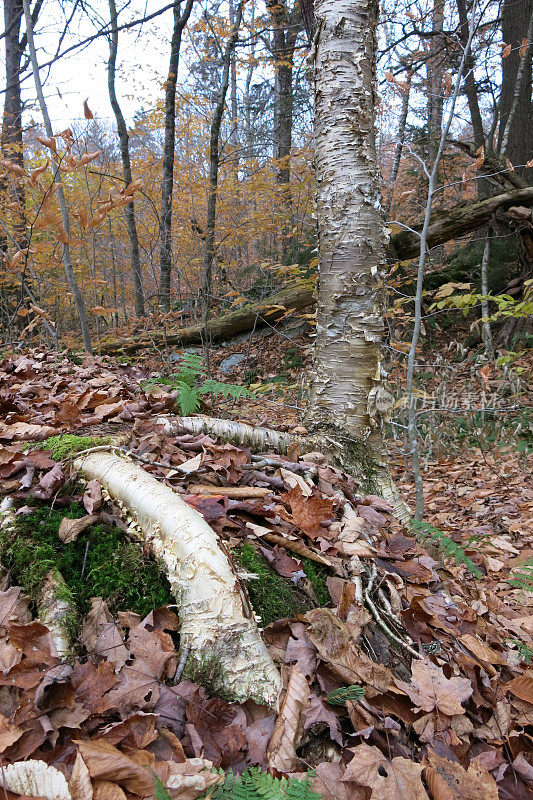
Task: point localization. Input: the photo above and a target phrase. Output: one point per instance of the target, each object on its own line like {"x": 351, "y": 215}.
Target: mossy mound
{"x": 67, "y": 444}
{"x": 115, "y": 569}
{"x": 274, "y": 597}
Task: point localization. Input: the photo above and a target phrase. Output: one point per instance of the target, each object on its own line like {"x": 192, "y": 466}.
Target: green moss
{"x": 207, "y": 671}
{"x": 115, "y": 569}
{"x": 67, "y": 444}
{"x": 272, "y": 596}
{"x": 318, "y": 575}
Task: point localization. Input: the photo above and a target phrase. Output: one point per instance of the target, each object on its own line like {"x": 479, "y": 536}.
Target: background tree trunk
{"x": 11, "y": 140}
{"x": 167, "y": 180}
{"x": 129, "y": 209}
{"x": 515, "y": 22}
{"x": 214, "y": 160}
{"x": 285, "y": 34}
{"x": 65, "y": 218}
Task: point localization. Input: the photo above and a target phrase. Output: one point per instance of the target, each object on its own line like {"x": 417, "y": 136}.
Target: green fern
{"x": 191, "y": 383}
{"x": 254, "y": 784}
{"x": 426, "y": 533}
{"x": 188, "y": 399}
{"x": 160, "y": 791}
{"x": 523, "y": 577}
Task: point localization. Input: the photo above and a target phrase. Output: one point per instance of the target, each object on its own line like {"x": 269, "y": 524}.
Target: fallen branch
{"x": 463, "y": 218}
{"x": 226, "y": 648}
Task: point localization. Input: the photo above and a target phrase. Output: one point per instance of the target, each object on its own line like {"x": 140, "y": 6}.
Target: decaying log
{"x": 296, "y": 297}
{"x": 462, "y": 219}
{"x": 216, "y": 627}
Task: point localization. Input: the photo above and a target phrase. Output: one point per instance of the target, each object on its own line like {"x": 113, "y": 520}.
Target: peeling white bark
{"x": 352, "y": 234}
{"x": 56, "y": 612}
{"x": 236, "y": 432}
{"x": 214, "y": 625}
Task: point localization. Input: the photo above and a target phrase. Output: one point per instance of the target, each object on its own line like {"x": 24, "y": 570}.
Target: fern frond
{"x": 188, "y": 398}
{"x": 212, "y": 386}
{"x": 425, "y": 532}
{"x": 254, "y": 784}
{"x": 160, "y": 790}
{"x": 522, "y": 578}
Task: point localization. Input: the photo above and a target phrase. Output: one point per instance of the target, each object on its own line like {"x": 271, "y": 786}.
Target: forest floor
{"x": 446, "y": 713}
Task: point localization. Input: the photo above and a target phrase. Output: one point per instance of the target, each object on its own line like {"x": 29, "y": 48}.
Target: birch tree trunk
{"x": 347, "y": 399}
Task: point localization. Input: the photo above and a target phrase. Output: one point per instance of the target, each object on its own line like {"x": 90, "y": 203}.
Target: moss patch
{"x": 115, "y": 569}
{"x": 67, "y": 444}
{"x": 273, "y": 597}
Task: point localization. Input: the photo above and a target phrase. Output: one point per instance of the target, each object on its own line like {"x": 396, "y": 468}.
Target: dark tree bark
{"x": 469, "y": 79}
{"x": 167, "y": 181}
{"x": 286, "y": 27}
{"x": 435, "y": 73}
{"x": 515, "y": 23}
{"x": 399, "y": 145}
{"x": 124, "y": 138}
{"x": 214, "y": 161}
{"x": 11, "y": 137}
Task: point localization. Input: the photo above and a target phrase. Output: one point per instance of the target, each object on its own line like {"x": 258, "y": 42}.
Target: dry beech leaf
{"x": 80, "y": 784}
{"x": 106, "y": 790}
{"x": 105, "y": 762}
{"x": 521, "y": 687}
{"x": 9, "y": 733}
{"x": 431, "y": 689}
{"x": 482, "y": 650}
{"x": 334, "y": 642}
{"x": 101, "y": 635}
{"x": 389, "y": 780}
{"x": 281, "y": 751}
{"x": 70, "y": 529}
{"x": 448, "y": 780}
{"x": 36, "y": 779}
{"x": 294, "y": 545}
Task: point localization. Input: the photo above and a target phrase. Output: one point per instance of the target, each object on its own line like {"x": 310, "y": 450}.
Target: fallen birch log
{"x": 222, "y": 638}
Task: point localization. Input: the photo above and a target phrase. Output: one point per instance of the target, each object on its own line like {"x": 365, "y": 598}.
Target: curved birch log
{"x": 221, "y": 637}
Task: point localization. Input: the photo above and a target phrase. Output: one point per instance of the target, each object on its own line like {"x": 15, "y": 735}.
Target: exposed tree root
{"x": 378, "y": 475}
{"x": 216, "y": 624}
{"x": 57, "y": 612}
